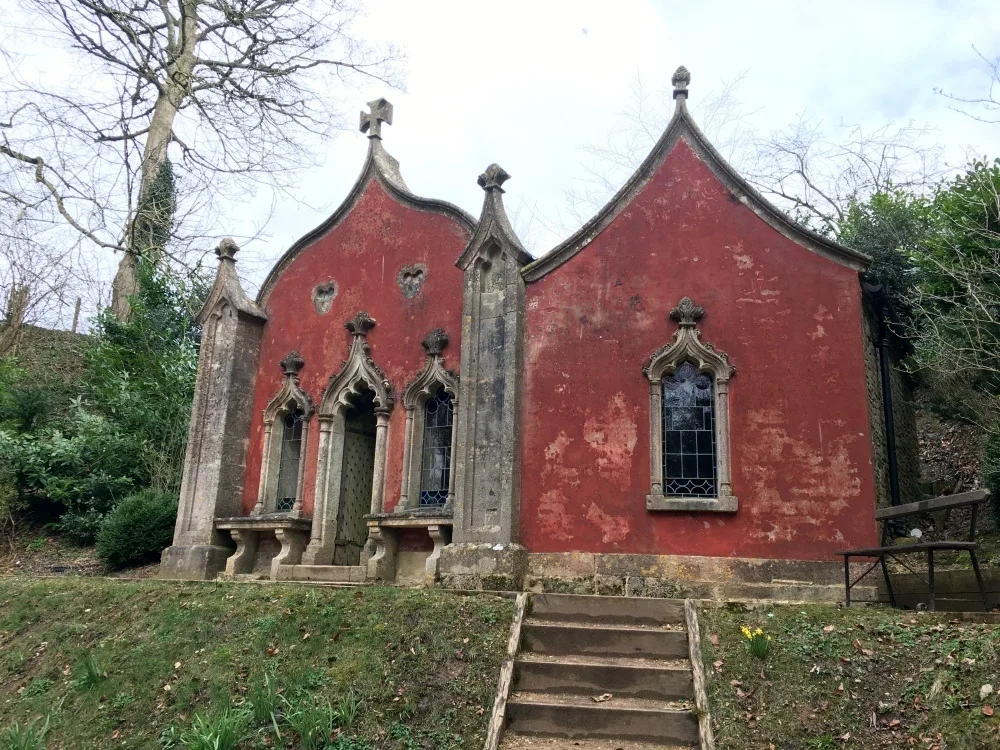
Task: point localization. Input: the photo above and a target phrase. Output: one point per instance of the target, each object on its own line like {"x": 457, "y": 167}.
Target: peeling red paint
{"x": 788, "y": 318}
{"x": 613, "y": 529}
{"x": 611, "y": 434}
{"x": 363, "y": 254}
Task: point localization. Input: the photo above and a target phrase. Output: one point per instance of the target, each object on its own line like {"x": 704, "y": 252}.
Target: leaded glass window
{"x": 435, "y": 461}
{"x": 288, "y": 469}
{"x": 689, "y": 451}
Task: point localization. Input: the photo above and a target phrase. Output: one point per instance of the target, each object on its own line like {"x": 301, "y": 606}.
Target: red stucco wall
{"x": 363, "y": 254}
{"x": 789, "y": 320}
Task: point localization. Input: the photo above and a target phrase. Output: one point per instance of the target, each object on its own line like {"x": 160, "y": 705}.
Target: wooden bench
{"x": 975, "y": 498}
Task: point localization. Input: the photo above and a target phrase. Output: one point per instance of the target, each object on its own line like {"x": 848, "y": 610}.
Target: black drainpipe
{"x": 882, "y": 344}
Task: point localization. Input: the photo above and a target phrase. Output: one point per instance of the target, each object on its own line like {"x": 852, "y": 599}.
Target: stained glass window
{"x": 288, "y": 470}
{"x": 435, "y": 461}
{"x": 689, "y": 455}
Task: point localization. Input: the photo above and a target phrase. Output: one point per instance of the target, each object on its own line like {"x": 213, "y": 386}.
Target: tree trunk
{"x": 12, "y": 331}
{"x": 173, "y": 90}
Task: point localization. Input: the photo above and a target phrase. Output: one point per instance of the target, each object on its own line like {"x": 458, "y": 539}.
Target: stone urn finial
{"x": 360, "y": 324}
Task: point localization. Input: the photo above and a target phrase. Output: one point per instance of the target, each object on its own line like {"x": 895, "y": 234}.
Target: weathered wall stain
{"x": 799, "y": 422}
{"x": 613, "y": 529}
{"x": 611, "y": 435}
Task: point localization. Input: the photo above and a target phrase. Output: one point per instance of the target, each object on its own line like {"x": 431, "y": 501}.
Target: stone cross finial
{"x": 227, "y": 250}
{"x": 435, "y": 342}
{"x": 371, "y": 122}
{"x": 493, "y": 178}
{"x": 291, "y": 364}
{"x": 360, "y": 324}
{"x": 681, "y": 80}
{"x": 687, "y": 313}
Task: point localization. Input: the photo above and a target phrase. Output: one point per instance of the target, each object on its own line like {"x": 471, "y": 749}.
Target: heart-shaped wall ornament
{"x": 410, "y": 278}
{"x": 323, "y": 296}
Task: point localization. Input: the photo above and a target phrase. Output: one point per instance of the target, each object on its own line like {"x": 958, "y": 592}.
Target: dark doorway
{"x": 356, "y": 474}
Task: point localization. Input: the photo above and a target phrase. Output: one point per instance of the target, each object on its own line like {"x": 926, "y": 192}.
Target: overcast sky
{"x": 526, "y": 84}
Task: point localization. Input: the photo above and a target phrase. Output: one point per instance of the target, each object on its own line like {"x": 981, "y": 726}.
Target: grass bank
{"x": 144, "y": 664}
{"x": 858, "y": 678}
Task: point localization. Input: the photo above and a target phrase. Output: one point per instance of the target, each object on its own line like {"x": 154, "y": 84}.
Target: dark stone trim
{"x": 682, "y": 125}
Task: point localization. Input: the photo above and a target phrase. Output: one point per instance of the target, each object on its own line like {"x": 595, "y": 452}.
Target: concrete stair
{"x": 632, "y": 653}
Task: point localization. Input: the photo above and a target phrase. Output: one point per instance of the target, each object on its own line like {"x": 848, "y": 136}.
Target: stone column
{"x": 381, "y": 441}
{"x": 324, "y": 518}
{"x": 656, "y": 436}
{"x": 219, "y": 431}
{"x": 487, "y": 456}
{"x": 404, "y": 488}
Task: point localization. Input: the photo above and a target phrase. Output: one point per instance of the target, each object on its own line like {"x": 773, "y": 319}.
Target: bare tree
{"x": 815, "y": 172}
{"x": 34, "y": 285}
{"x": 232, "y": 91}
{"x": 984, "y": 107}
{"x": 810, "y": 170}
{"x": 609, "y": 164}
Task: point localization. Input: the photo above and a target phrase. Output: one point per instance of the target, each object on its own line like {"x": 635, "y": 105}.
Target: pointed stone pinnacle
{"x": 227, "y": 249}
{"x": 493, "y": 178}
{"x": 681, "y": 79}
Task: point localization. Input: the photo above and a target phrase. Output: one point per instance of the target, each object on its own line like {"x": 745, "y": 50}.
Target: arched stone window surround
{"x": 687, "y": 346}
{"x": 286, "y": 400}
{"x": 358, "y": 373}
{"x": 433, "y": 377}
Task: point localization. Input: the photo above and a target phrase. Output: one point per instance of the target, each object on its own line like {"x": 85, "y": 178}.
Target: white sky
{"x": 526, "y": 84}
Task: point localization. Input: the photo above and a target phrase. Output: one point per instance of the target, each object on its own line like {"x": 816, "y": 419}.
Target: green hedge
{"x": 138, "y": 529}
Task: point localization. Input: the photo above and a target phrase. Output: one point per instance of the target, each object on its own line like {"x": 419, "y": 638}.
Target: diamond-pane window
{"x": 435, "y": 461}
{"x": 288, "y": 470}
{"x": 689, "y": 451}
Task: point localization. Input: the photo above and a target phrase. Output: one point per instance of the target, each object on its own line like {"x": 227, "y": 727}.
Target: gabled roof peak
{"x": 381, "y": 166}
{"x": 682, "y": 126}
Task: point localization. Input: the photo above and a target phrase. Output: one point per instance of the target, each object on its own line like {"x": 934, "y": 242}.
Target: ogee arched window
{"x": 435, "y": 463}
{"x": 689, "y": 421}
{"x": 430, "y": 402}
{"x": 288, "y": 466}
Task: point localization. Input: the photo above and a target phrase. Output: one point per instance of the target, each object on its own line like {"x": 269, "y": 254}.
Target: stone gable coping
{"x": 683, "y": 126}
{"x": 380, "y": 166}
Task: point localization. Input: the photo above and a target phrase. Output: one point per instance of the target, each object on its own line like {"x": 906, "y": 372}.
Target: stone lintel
{"x": 264, "y": 523}
{"x": 410, "y": 519}
{"x": 725, "y": 504}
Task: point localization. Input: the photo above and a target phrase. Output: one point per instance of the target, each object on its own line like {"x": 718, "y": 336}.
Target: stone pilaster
{"x": 219, "y": 430}
{"x": 487, "y": 440}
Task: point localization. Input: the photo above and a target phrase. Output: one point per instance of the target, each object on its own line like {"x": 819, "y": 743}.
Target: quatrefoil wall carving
{"x": 323, "y": 296}
{"x": 411, "y": 278}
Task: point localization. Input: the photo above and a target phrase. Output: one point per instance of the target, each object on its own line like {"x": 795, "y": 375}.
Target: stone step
{"x": 323, "y": 573}
{"x": 579, "y": 718}
{"x": 619, "y": 640}
{"x": 590, "y": 677}
{"x": 623, "y": 610}
{"x": 529, "y": 742}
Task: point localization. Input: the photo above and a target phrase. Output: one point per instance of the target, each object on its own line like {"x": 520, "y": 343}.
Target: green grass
{"x": 148, "y": 664}
{"x": 851, "y": 679}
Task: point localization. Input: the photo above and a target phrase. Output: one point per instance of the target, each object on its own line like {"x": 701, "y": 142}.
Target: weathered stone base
{"x": 321, "y": 573}
{"x": 489, "y": 567}
{"x": 195, "y": 563}
{"x": 674, "y": 576}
